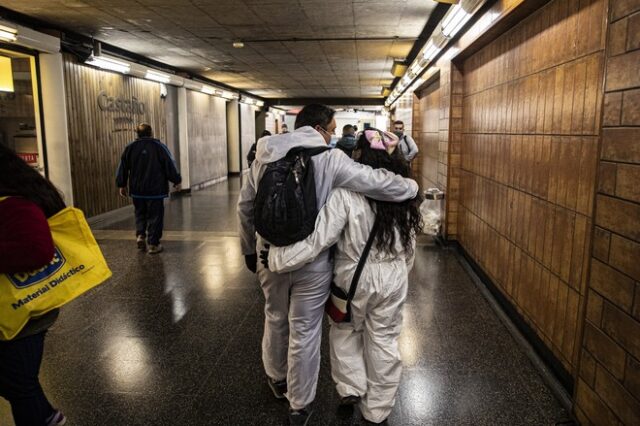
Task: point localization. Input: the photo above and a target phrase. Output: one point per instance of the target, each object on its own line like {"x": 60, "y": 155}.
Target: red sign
{"x": 29, "y": 158}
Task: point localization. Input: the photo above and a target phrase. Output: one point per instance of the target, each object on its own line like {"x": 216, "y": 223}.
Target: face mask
{"x": 398, "y": 133}
{"x": 333, "y": 141}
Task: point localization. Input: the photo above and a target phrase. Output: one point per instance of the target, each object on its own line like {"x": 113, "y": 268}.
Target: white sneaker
{"x": 155, "y": 249}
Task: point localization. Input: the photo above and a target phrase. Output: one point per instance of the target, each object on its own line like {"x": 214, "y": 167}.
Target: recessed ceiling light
{"x": 238, "y": 44}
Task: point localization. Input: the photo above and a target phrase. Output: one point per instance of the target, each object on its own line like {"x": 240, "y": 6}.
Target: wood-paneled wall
{"x": 207, "y": 127}
{"x": 426, "y": 126}
{"x": 247, "y": 131}
{"x": 531, "y": 118}
{"x": 608, "y": 390}
{"x": 97, "y": 138}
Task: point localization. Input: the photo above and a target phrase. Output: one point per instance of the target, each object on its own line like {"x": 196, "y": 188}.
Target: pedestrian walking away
{"x": 365, "y": 358}
{"x": 294, "y": 301}
{"x": 146, "y": 168}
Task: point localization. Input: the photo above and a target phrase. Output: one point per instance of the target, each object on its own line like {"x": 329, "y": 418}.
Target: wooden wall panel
{"x": 608, "y": 388}
{"x": 97, "y": 138}
{"x": 426, "y": 128}
{"x": 207, "y": 126}
{"x": 530, "y": 120}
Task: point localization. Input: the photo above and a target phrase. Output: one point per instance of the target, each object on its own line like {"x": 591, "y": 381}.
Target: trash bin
{"x": 432, "y": 209}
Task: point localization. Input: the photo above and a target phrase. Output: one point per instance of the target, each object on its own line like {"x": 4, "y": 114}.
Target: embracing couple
{"x": 367, "y": 198}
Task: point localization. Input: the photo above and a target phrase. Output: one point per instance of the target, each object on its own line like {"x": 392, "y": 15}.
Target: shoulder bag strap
{"x": 363, "y": 260}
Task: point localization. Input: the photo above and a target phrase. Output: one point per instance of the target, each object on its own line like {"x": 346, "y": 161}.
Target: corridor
{"x": 174, "y": 339}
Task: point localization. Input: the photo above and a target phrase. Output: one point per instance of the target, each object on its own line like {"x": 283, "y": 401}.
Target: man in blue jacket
{"x": 147, "y": 166}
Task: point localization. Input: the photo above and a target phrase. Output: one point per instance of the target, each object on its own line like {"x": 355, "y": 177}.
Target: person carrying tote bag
{"x": 38, "y": 261}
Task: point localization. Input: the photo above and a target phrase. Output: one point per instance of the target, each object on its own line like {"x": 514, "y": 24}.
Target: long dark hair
{"x": 404, "y": 216}
{"x": 17, "y": 178}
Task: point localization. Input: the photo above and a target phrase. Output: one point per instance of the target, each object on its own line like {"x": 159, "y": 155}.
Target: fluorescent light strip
{"x": 109, "y": 64}
{"x": 208, "y": 90}
{"x": 156, "y": 76}
{"x": 7, "y": 35}
{"x": 430, "y": 51}
{"x": 454, "y": 21}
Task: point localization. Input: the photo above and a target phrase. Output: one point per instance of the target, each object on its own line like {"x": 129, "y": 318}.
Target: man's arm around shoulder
{"x": 379, "y": 184}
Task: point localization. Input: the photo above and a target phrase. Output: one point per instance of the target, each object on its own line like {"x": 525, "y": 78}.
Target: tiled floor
{"x": 174, "y": 339}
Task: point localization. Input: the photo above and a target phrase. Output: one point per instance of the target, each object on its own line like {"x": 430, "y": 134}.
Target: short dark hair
{"x": 265, "y": 133}
{"x": 144, "y": 130}
{"x": 398, "y": 122}
{"x": 314, "y": 115}
{"x": 348, "y": 128}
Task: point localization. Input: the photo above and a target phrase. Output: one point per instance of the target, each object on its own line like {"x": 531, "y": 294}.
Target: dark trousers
{"x": 149, "y": 218}
{"x": 19, "y": 367}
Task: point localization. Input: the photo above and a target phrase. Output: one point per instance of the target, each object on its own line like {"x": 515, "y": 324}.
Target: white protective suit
{"x": 294, "y": 302}
{"x": 365, "y": 360}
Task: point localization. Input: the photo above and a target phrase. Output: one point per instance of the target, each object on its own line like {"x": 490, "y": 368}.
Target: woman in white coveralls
{"x": 365, "y": 360}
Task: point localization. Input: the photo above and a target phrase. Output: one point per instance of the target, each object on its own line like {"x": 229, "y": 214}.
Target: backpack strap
{"x": 363, "y": 260}
{"x": 309, "y": 152}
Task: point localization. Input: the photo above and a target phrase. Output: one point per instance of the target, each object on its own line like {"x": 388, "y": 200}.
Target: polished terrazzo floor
{"x": 174, "y": 339}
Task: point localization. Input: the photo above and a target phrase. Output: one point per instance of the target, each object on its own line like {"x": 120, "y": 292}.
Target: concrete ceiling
{"x": 293, "y": 48}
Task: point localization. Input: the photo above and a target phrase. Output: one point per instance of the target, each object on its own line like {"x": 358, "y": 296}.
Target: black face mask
{"x": 398, "y": 133}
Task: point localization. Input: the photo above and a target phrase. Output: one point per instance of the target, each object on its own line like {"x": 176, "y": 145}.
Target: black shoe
{"x": 349, "y": 400}
{"x": 140, "y": 241}
{"x": 299, "y": 417}
{"x": 278, "y": 387}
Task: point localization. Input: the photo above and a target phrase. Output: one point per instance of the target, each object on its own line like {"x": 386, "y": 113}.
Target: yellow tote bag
{"x": 77, "y": 266}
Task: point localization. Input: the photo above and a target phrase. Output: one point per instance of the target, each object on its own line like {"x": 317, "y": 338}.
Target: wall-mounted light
{"x": 430, "y": 51}
{"x": 6, "y": 75}
{"x": 8, "y": 33}
{"x": 208, "y": 90}
{"x": 229, "y": 95}
{"x": 454, "y": 20}
{"x": 108, "y": 64}
{"x": 156, "y": 76}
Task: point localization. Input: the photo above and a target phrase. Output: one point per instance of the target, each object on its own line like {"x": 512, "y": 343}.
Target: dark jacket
{"x": 251, "y": 156}
{"x": 347, "y": 143}
{"x": 147, "y": 165}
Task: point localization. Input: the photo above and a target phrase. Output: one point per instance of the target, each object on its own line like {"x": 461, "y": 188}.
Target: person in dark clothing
{"x": 347, "y": 142}
{"x": 26, "y": 201}
{"x": 252, "y": 151}
{"x": 147, "y": 166}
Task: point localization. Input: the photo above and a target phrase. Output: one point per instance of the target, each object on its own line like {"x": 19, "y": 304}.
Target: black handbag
{"x": 338, "y": 306}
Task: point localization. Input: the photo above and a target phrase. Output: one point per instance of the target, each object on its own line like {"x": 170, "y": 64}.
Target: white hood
{"x": 273, "y": 148}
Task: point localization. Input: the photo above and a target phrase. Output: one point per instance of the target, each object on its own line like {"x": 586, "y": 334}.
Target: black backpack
{"x": 285, "y": 207}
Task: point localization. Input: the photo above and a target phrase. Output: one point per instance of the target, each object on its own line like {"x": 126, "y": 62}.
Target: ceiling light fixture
{"x": 8, "y": 33}
{"x": 110, "y": 64}
{"x": 156, "y": 76}
{"x": 238, "y": 44}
